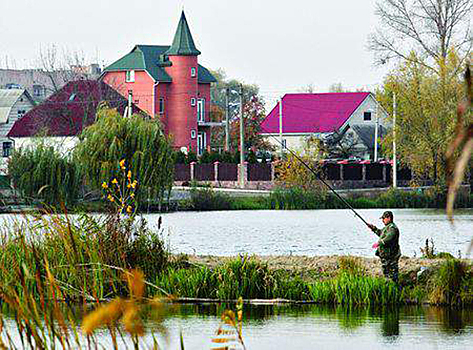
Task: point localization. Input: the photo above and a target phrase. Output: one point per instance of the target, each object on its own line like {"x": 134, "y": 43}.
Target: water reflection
{"x": 309, "y": 326}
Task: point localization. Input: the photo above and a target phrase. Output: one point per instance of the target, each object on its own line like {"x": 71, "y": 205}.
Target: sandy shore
{"x": 327, "y": 265}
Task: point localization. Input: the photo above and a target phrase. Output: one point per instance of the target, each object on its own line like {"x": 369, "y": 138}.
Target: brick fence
{"x": 262, "y": 175}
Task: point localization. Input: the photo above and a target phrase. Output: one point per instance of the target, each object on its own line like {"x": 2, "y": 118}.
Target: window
{"x": 192, "y": 101}
{"x": 284, "y": 143}
{"x": 21, "y": 113}
{"x": 193, "y": 72}
{"x": 130, "y": 76}
{"x": 161, "y": 106}
{"x": 38, "y": 90}
{"x": 7, "y": 146}
{"x": 192, "y": 134}
{"x": 367, "y": 116}
{"x": 72, "y": 97}
{"x": 201, "y": 110}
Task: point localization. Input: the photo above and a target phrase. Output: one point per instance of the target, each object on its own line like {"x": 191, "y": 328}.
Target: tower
{"x": 183, "y": 93}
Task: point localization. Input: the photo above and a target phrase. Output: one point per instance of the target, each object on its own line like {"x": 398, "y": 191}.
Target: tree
{"x": 141, "y": 143}
{"x": 429, "y": 27}
{"x": 218, "y": 94}
{"x": 41, "y": 172}
{"x": 426, "y": 114}
{"x": 340, "y": 144}
{"x": 253, "y": 115}
{"x": 294, "y": 174}
{"x": 336, "y": 87}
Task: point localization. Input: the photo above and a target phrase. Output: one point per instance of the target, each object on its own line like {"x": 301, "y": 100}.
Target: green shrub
{"x": 42, "y": 173}
{"x": 207, "y": 199}
{"x": 452, "y": 284}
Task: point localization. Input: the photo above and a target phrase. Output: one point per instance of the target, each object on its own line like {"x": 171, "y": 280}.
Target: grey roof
{"x": 8, "y": 98}
{"x": 366, "y": 133}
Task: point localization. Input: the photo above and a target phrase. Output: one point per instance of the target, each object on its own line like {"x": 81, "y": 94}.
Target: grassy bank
{"x": 296, "y": 198}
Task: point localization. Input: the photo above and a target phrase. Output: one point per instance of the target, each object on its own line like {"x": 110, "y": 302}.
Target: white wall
{"x": 368, "y": 105}
{"x": 22, "y": 104}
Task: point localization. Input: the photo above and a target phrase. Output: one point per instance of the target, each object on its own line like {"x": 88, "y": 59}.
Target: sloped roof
{"x": 183, "y": 44}
{"x": 151, "y": 58}
{"x": 313, "y": 113}
{"x": 366, "y": 133}
{"x": 8, "y": 98}
{"x": 69, "y": 110}
{"x": 143, "y": 57}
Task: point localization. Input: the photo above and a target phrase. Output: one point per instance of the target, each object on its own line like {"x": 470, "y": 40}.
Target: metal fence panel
{"x": 259, "y": 172}
{"x": 182, "y": 172}
{"x": 204, "y": 172}
{"x": 227, "y": 172}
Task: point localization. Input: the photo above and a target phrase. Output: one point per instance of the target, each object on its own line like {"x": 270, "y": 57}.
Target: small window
{"x": 72, "y": 97}
{"x": 21, "y": 113}
{"x": 192, "y": 101}
{"x": 7, "y": 146}
{"x": 193, "y": 72}
{"x": 130, "y": 76}
{"x": 161, "y": 106}
{"x": 192, "y": 134}
{"x": 367, "y": 116}
{"x": 38, "y": 90}
{"x": 284, "y": 143}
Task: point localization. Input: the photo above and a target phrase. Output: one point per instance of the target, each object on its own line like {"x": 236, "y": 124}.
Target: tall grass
{"x": 86, "y": 255}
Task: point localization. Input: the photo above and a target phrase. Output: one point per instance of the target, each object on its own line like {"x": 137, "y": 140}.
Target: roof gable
{"x": 183, "y": 44}
{"x": 8, "y": 98}
{"x": 68, "y": 111}
{"x": 313, "y": 113}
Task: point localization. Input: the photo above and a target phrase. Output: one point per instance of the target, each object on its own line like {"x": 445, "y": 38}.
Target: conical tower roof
{"x": 183, "y": 44}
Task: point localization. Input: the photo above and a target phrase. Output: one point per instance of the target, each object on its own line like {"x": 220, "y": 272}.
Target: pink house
{"x": 169, "y": 84}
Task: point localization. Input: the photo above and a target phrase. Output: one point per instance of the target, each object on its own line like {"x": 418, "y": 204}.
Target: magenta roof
{"x": 309, "y": 113}
{"x": 69, "y": 110}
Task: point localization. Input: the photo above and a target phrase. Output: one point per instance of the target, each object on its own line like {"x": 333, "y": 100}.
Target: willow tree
{"x": 41, "y": 173}
{"x": 140, "y": 142}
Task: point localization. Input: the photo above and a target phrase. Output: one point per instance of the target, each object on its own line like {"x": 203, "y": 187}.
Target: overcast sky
{"x": 279, "y": 45}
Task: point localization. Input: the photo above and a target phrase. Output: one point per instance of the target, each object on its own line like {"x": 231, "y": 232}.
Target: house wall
{"x": 369, "y": 104}
{"x": 183, "y": 118}
{"x": 142, "y": 88}
{"x": 22, "y": 104}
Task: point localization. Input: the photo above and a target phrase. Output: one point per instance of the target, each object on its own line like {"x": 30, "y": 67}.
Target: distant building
{"x": 14, "y": 104}
{"x": 63, "y": 116}
{"x": 350, "y": 116}
{"x": 41, "y": 84}
{"x": 168, "y": 83}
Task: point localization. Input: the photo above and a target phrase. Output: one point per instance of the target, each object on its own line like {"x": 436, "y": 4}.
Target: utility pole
{"x": 280, "y": 127}
{"x": 130, "y": 98}
{"x": 242, "y": 150}
{"x": 227, "y": 122}
{"x": 394, "y": 143}
{"x": 376, "y": 133}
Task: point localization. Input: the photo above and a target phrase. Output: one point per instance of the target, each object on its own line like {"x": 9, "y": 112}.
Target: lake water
{"x": 309, "y": 232}
{"x": 316, "y": 327}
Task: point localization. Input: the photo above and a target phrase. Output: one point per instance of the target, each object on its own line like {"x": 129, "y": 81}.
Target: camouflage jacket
{"x": 388, "y": 241}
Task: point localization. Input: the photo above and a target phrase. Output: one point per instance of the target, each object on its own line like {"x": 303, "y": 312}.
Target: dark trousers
{"x": 391, "y": 268}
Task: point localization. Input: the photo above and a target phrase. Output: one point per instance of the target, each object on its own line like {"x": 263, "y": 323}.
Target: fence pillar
{"x": 384, "y": 173}
{"x": 273, "y": 172}
{"x": 192, "y": 170}
{"x": 216, "y": 171}
{"x": 363, "y": 172}
{"x": 341, "y": 172}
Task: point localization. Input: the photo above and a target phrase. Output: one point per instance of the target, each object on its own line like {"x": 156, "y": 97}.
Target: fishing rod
{"x": 344, "y": 201}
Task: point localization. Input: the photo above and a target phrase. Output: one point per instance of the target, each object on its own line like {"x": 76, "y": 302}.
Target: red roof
{"x": 310, "y": 113}
{"x": 69, "y": 110}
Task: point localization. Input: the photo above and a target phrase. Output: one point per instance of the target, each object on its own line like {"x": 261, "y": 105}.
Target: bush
{"x": 452, "y": 284}
{"x": 42, "y": 173}
{"x": 206, "y": 199}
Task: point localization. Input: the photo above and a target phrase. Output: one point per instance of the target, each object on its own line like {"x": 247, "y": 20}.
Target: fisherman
{"x": 387, "y": 247}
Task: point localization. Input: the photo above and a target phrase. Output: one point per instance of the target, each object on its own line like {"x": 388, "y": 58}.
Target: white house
{"x": 14, "y": 103}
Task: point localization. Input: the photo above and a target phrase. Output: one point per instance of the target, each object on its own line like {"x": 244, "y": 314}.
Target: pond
{"x": 317, "y": 327}
{"x": 309, "y": 232}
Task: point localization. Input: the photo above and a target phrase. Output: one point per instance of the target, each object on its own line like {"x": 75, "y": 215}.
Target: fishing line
{"x": 344, "y": 201}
